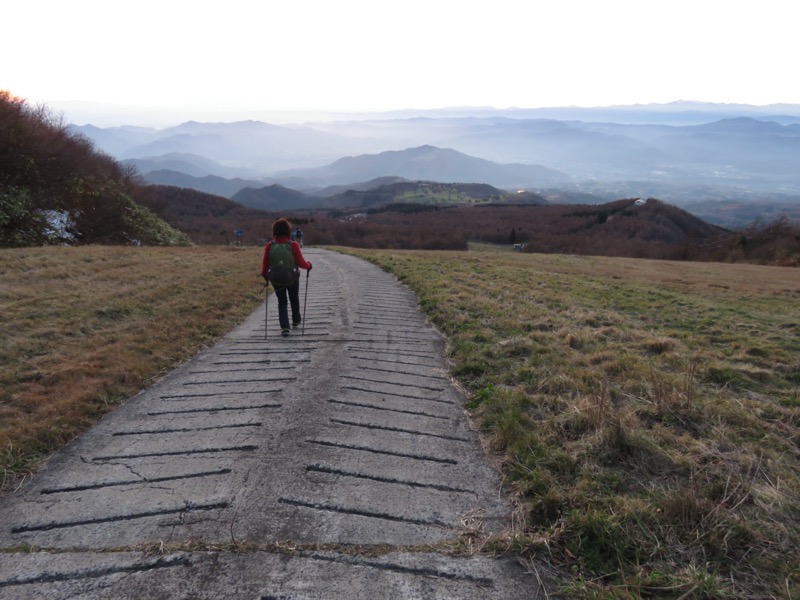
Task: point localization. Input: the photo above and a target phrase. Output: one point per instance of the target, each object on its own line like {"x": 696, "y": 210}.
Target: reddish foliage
{"x": 626, "y": 228}
{"x": 63, "y": 173}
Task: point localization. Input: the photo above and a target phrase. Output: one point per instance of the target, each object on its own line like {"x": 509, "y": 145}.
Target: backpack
{"x": 282, "y": 269}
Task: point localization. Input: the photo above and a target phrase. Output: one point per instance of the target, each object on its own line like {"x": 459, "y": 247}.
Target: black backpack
{"x": 283, "y": 271}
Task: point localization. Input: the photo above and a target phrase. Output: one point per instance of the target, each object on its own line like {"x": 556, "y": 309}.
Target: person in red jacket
{"x": 276, "y": 251}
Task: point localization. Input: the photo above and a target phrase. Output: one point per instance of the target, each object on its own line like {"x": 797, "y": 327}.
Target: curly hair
{"x": 281, "y": 228}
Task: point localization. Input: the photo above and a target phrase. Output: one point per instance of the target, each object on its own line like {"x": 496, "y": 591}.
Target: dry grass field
{"x": 85, "y": 328}
{"x": 646, "y": 413}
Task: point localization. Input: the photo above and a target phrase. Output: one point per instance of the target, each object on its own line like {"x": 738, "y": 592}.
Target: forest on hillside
{"x": 56, "y": 188}
{"x": 627, "y": 228}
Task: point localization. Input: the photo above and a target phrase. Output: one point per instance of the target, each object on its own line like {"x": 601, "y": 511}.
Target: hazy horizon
{"x": 112, "y": 115}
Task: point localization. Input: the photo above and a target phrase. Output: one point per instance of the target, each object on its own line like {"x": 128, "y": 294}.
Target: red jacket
{"x": 297, "y": 254}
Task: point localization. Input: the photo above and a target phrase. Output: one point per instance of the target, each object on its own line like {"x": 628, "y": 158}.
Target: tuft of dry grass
{"x": 646, "y": 413}
{"x": 87, "y": 327}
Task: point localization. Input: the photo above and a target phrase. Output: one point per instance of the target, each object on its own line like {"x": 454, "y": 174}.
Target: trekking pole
{"x": 305, "y": 299}
{"x": 266, "y": 306}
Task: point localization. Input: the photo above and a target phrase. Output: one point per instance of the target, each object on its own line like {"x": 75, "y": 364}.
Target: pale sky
{"x": 199, "y": 59}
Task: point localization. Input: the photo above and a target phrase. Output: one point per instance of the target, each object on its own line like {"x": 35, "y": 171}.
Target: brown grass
{"x": 646, "y": 413}
{"x": 85, "y": 328}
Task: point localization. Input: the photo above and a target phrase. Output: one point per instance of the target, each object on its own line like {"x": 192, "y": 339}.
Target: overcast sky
{"x": 239, "y": 58}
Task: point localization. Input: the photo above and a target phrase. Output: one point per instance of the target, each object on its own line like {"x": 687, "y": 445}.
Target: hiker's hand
{"x": 309, "y": 266}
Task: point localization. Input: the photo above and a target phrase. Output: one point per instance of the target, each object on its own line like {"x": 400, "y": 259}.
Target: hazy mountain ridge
{"x": 274, "y": 197}
{"x": 190, "y": 164}
{"x": 428, "y": 163}
{"x": 732, "y": 149}
{"x": 255, "y": 147}
{"x": 424, "y": 163}
{"x": 722, "y": 204}
{"x": 679, "y": 112}
{"x": 681, "y": 152}
{"x": 211, "y": 184}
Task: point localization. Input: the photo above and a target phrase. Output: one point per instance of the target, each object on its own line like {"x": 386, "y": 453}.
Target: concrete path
{"x": 336, "y": 464}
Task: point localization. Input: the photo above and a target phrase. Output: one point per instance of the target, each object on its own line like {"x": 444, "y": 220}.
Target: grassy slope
{"x": 646, "y": 412}
{"x": 87, "y": 327}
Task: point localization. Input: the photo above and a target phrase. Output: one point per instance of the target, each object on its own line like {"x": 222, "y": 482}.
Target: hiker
{"x": 298, "y": 235}
{"x": 282, "y": 257}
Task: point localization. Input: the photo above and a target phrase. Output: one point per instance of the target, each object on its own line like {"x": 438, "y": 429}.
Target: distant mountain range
{"x": 423, "y": 163}
{"x": 428, "y": 163}
{"x": 275, "y": 197}
{"x": 211, "y": 184}
{"x": 681, "y": 152}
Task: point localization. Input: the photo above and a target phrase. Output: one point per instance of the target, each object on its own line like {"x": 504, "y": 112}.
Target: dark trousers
{"x": 293, "y": 293}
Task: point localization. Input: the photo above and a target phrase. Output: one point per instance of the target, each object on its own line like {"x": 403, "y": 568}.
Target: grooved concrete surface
{"x": 336, "y": 443}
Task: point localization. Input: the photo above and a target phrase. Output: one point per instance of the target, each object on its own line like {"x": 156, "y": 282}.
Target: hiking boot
{"x": 295, "y": 324}
{"x": 285, "y": 332}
